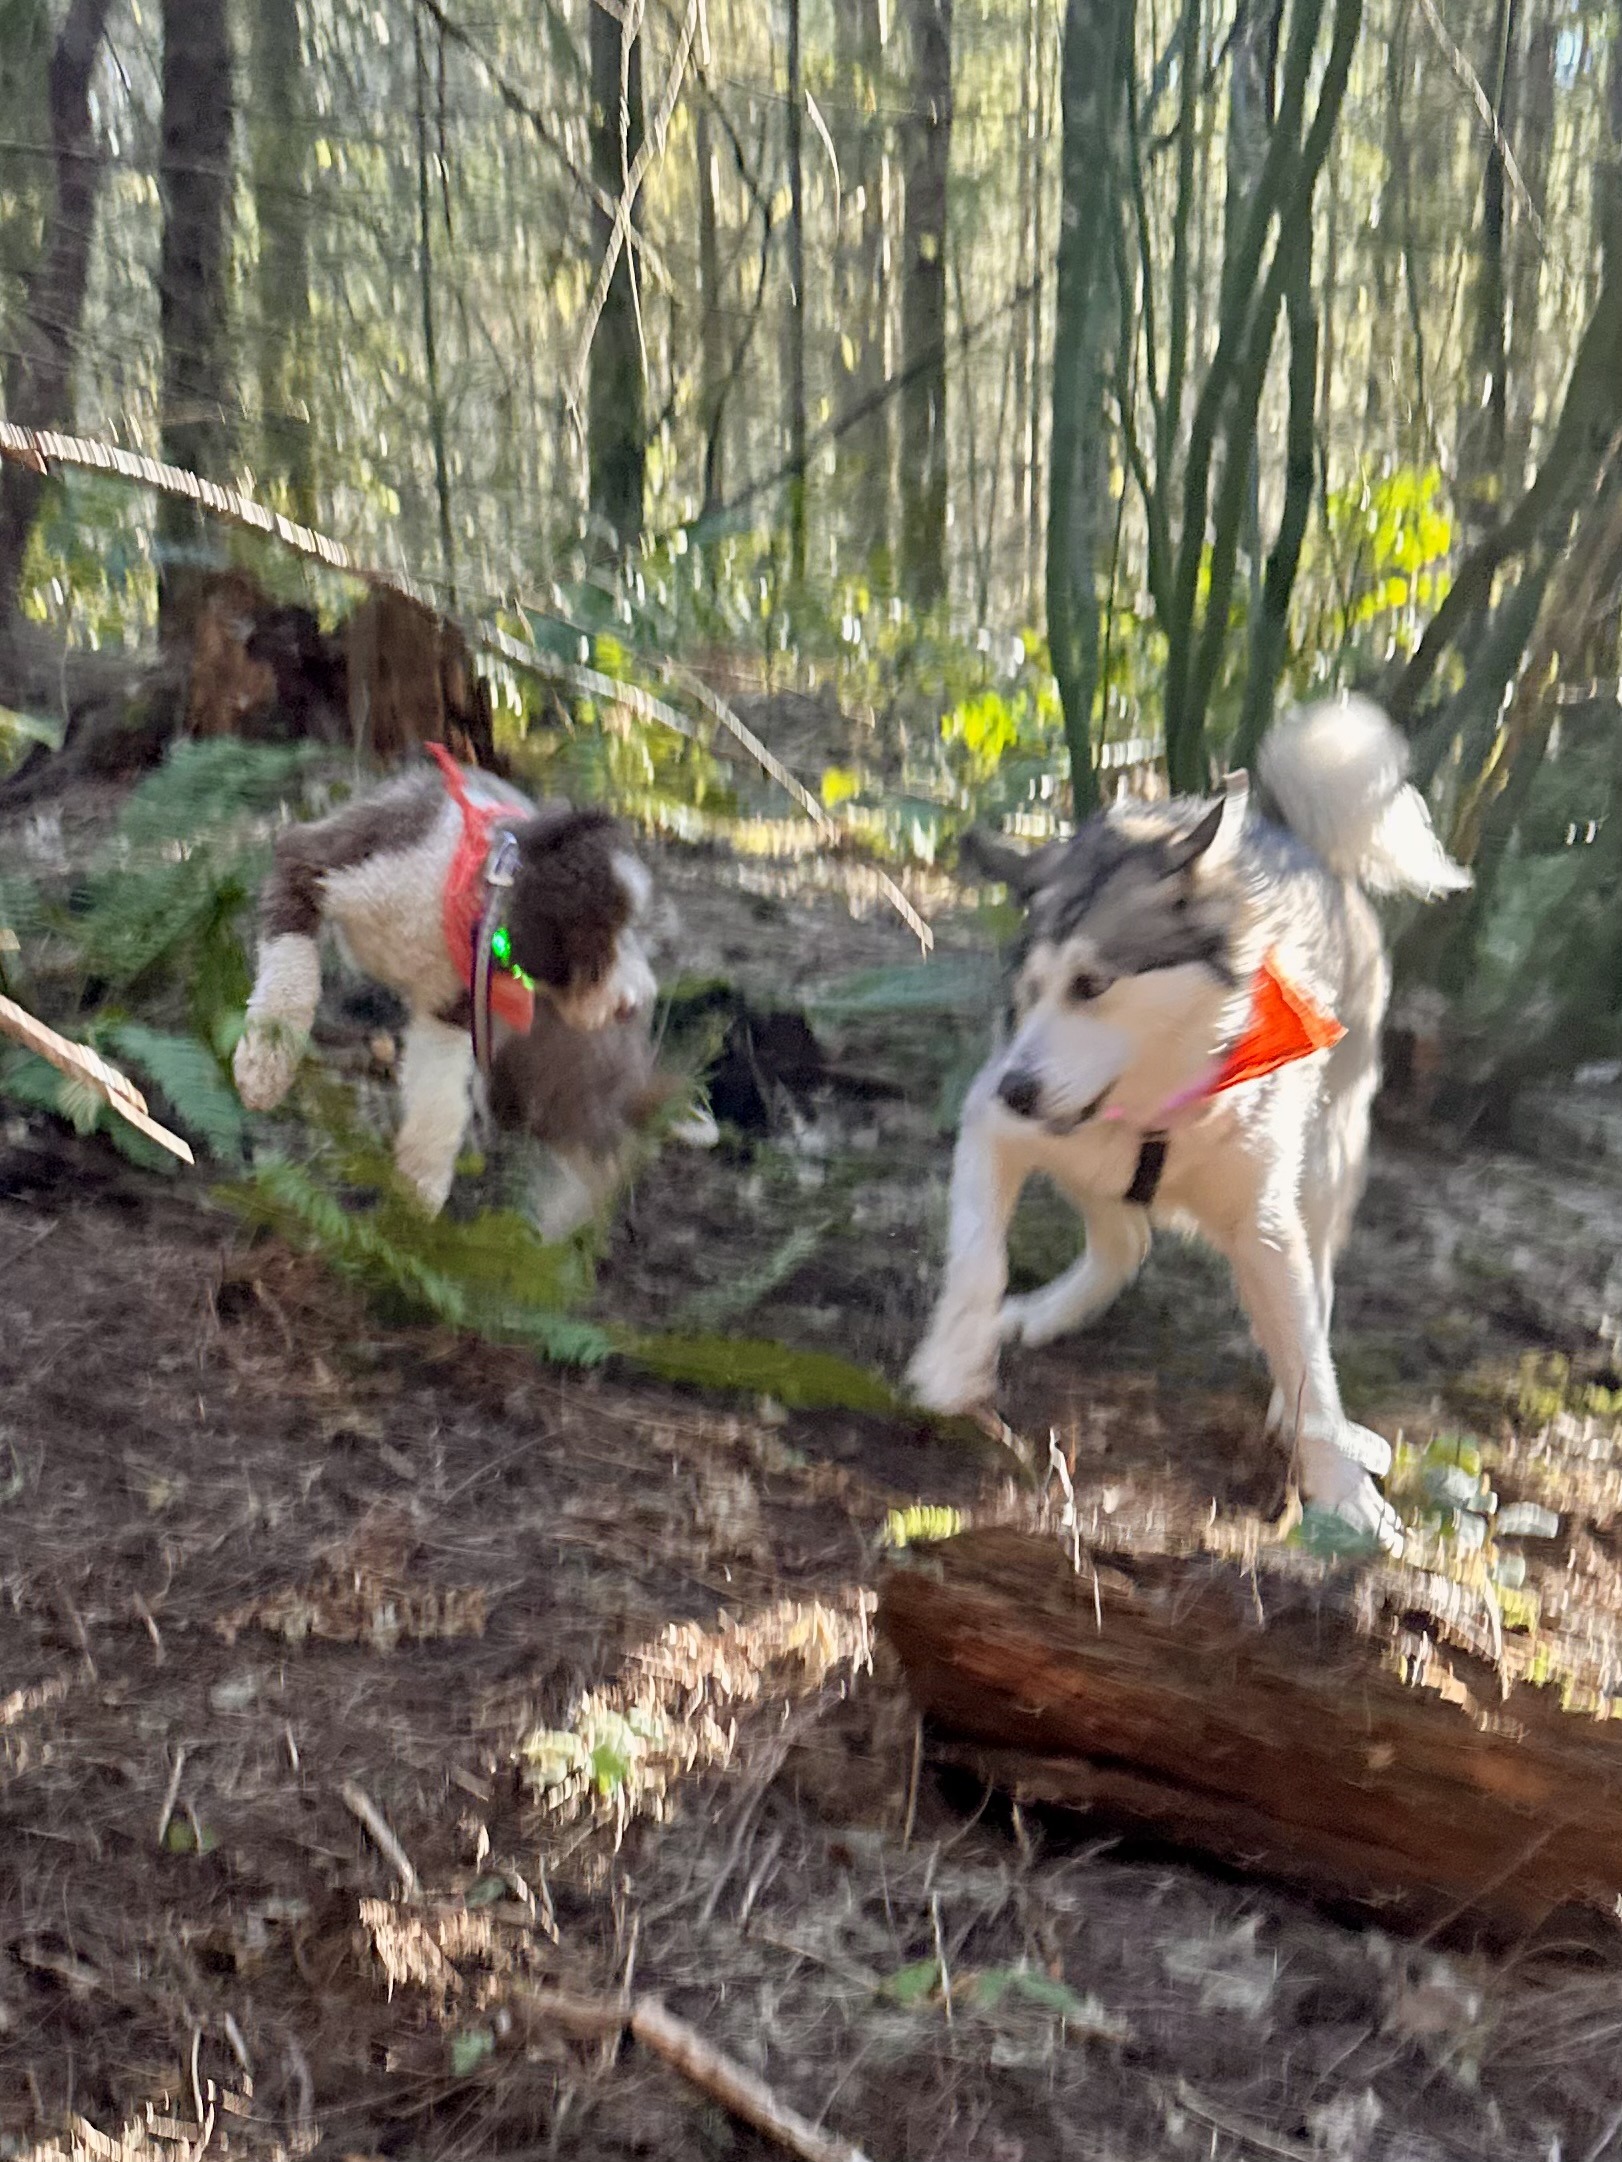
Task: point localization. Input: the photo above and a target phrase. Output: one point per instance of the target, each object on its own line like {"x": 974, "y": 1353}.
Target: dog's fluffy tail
{"x": 1339, "y": 775}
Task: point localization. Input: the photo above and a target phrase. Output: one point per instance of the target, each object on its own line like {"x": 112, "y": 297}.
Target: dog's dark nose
{"x": 1021, "y": 1092}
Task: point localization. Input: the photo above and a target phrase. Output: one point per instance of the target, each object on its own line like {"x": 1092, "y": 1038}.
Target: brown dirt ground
{"x": 255, "y": 1545}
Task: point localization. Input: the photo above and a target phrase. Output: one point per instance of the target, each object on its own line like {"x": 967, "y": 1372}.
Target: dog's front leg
{"x": 1274, "y": 1274}
{"x": 956, "y": 1364}
{"x": 436, "y": 1068}
{"x": 281, "y": 1009}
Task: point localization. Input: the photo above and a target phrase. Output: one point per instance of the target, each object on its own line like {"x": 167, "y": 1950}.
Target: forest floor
{"x": 600, "y": 1654}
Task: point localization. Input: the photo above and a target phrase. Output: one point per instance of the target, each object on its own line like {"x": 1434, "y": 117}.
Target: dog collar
{"x": 1283, "y": 1025}
{"x": 481, "y": 871}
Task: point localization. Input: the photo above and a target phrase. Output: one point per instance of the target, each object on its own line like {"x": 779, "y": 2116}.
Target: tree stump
{"x": 1363, "y": 1734}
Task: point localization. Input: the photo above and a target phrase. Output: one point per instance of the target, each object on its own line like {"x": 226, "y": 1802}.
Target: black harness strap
{"x": 1151, "y": 1165}
{"x": 499, "y": 872}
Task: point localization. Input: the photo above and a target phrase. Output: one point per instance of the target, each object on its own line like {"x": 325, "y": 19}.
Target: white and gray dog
{"x": 400, "y": 875}
{"x": 1192, "y": 1037}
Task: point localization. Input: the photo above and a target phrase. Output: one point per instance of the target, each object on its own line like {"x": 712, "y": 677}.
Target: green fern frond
{"x": 491, "y": 1275}
{"x": 710, "y": 1310}
{"x": 33, "y": 1085}
{"x": 802, "y": 1380}
{"x": 186, "y": 1072}
{"x": 204, "y": 787}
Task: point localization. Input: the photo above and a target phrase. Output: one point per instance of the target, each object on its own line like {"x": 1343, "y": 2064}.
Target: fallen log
{"x": 1365, "y": 1734}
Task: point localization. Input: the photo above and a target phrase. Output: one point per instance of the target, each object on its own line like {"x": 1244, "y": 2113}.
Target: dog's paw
{"x": 943, "y": 1378}
{"x": 264, "y": 1063}
{"x": 1360, "y": 1443}
{"x": 1335, "y": 1481}
{"x": 1366, "y": 1511}
{"x": 1365, "y": 1447}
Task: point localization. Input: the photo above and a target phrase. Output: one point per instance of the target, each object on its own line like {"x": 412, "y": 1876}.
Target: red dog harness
{"x": 470, "y": 902}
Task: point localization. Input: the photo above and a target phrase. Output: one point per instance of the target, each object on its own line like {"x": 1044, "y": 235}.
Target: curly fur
{"x": 374, "y": 873}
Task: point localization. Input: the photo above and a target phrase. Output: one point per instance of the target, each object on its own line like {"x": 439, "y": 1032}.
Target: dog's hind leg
{"x": 1276, "y": 1284}
{"x": 956, "y": 1364}
{"x": 436, "y": 1068}
{"x": 1117, "y": 1246}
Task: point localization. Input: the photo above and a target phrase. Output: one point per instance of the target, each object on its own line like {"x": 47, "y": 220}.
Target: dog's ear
{"x": 1021, "y": 871}
{"x": 1216, "y": 836}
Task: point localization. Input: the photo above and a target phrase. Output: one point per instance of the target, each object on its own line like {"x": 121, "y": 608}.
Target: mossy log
{"x": 1360, "y": 1733}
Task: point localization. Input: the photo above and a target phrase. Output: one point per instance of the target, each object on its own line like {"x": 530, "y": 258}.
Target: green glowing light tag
{"x": 501, "y": 951}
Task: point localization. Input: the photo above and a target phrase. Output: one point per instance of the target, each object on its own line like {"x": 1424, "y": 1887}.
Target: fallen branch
{"x": 116, "y": 1090}
{"x": 366, "y": 1812}
{"x": 685, "y": 2050}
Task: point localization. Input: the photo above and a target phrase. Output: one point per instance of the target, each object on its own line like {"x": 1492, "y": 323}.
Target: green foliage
{"x": 204, "y": 1105}
{"x": 89, "y": 571}
{"x": 20, "y": 732}
{"x": 712, "y": 1308}
{"x": 156, "y": 931}
{"x": 801, "y": 1380}
{"x": 1380, "y": 566}
{"x": 491, "y": 1275}
{"x": 190, "y": 850}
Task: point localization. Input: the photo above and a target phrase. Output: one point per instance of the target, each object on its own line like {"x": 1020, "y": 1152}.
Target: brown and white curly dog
{"x": 400, "y": 877}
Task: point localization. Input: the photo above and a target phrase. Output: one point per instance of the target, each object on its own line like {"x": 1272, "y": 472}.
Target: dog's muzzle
{"x": 1020, "y": 1092}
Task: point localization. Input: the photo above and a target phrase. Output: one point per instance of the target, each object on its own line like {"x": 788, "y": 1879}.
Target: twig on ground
{"x": 1254, "y": 2136}
{"x": 940, "y": 1955}
{"x": 911, "y": 1816}
{"x": 372, "y": 1820}
{"x": 684, "y": 2049}
{"x": 170, "y": 1792}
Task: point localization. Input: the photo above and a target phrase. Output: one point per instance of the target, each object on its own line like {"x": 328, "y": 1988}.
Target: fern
{"x": 491, "y": 1275}
{"x": 803, "y": 1380}
{"x": 201, "y": 788}
{"x": 186, "y": 1072}
{"x": 709, "y": 1310}
{"x": 32, "y": 1084}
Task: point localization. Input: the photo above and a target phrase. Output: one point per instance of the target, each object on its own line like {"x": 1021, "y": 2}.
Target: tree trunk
{"x": 39, "y": 370}
{"x": 1270, "y": 621}
{"x": 796, "y": 318}
{"x": 865, "y": 452}
{"x": 1093, "y": 77}
{"x": 923, "y": 307}
{"x": 1483, "y": 421}
{"x": 1581, "y": 442}
{"x": 430, "y": 336}
{"x": 1024, "y": 356}
{"x": 1341, "y": 1730}
{"x": 1536, "y": 137}
{"x": 282, "y": 212}
{"x": 194, "y": 289}
{"x": 1253, "y": 288}
{"x": 616, "y": 426}
{"x": 712, "y": 333}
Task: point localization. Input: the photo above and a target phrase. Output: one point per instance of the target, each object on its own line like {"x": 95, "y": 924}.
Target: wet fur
{"x": 1141, "y": 940}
